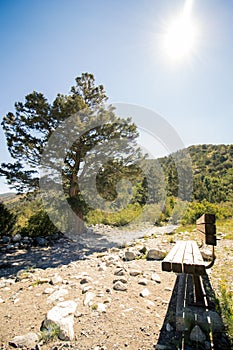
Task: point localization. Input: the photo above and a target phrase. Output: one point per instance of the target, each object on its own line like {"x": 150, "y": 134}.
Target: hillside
{"x": 212, "y": 167}
{"x": 6, "y": 197}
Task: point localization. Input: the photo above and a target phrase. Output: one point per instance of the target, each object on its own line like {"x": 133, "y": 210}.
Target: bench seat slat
{"x": 167, "y": 261}
{"x": 173, "y": 261}
{"x": 184, "y": 257}
{"x": 188, "y": 261}
{"x": 194, "y": 264}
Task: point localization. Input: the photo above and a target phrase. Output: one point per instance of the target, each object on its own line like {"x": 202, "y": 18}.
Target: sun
{"x": 180, "y": 38}
{"x": 180, "y": 35}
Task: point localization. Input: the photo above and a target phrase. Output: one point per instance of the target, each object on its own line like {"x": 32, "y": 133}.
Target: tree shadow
{"x": 207, "y": 318}
{"x": 62, "y": 252}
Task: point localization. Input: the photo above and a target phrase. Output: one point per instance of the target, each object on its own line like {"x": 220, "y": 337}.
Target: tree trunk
{"x": 77, "y": 225}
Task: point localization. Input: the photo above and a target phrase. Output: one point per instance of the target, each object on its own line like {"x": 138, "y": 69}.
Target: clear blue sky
{"x": 45, "y": 44}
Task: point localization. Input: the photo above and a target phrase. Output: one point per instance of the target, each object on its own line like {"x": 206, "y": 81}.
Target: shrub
{"x": 118, "y": 218}
{"x": 39, "y": 224}
{"x": 196, "y": 209}
{"x": 7, "y": 220}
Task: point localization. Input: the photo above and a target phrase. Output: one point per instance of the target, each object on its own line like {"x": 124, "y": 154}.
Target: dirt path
{"x": 112, "y": 319}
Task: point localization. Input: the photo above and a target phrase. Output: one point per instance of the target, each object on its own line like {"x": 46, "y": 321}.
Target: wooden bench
{"x": 186, "y": 258}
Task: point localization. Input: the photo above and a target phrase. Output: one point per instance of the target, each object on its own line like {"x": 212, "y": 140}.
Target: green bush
{"x": 39, "y": 224}
{"x": 196, "y": 209}
{"x": 7, "y": 220}
{"x": 118, "y": 218}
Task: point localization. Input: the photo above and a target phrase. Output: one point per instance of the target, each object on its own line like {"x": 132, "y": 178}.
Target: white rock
{"x": 48, "y": 290}
{"x": 145, "y": 293}
{"x": 143, "y": 281}
{"x": 102, "y": 267}
{"x": 119, "y": 286}
{"x": 86, "y": 288}
{"x": 57, "y": 295}
{"x": 56, "y": 279}
{"x": 197, "y": 335}
{"x": 62, "y": 315}
{"x": 101, "y": 307}
{"x": 88, "y": 298}
{"x": 155, "y": 277}
{"x": 28, "y": 341}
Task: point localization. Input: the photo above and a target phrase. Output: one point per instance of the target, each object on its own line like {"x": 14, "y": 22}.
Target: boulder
{"x": 27, "y": 341}
{"x": 156, "y": 254}
{"x": 62, "y": 316}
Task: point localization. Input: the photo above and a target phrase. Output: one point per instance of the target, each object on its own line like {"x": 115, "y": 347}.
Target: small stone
{"x": 119, "y": 272}
{"x": 129, "y": 256}
{"x": 28, "y": 341}
{"x": 169, "y": 328}
{"x": 86, "y": 280}
{"x": 119, "y": 286}
{"x": 135, "y": 272}
{"x": 1, "y": 301}
{"x": 88, "y": 298}
{"x": 57, "y": 295}
{"x": 40, "y": 241}
{"x": 85, "y": 289}
{"x": 143, "y": 281}
{"x": 145, "y": 293}
{"x": 48, "y": 291}
{"x": 56, "y": 279}
{"x": 6, "y": 239}
{"x": 101, "y": 307}
{"x": 160, "y": 347}
{"x": 155, "y": 277}
{"x": 16, "y": 238}
{"x": 197, "y": 335}
{"x": 102, "y": 267}
{"x": 207, "y": 345}
{"x": 121, "y": 279}
{"x": 143, "y": 250}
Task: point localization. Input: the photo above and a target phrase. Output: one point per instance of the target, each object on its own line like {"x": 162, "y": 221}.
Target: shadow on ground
{"x": 209, "y": 321}
{"x": 61, "y": 252}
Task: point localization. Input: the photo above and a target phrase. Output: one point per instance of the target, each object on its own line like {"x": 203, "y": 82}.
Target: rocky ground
{"x": 105, "y": 292}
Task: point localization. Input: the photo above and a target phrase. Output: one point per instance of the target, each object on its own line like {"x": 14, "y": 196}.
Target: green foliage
{"x": 212, "y": 167}
{"x": 49, "y": 333}
{"x": 39, "y": 224}
{"x": 7, "y": 220}
{"x": 118, "y": 218}
{"x": 196, "y": 209}
{"x": 29, "y": 128}
{"x": 226, "y": 304}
